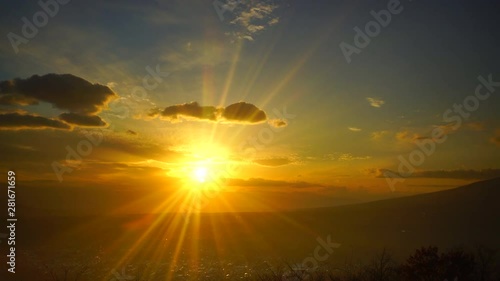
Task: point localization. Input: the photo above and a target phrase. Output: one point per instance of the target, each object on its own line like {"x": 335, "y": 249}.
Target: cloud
{"x": 244, "y": 112}
{"x": 258, "y": 12}
{"x": 407, "y": 136}
{"x": 273, "y": 162}
{"x": 240, "y": 112}
{"x": 375, "y": 102}
{"x": 410, "y": 137}
{"x": 446, "y": 128}
{"x": 7, "y": 99}
{"x": 274, "y": 21}
{"x": 354, "y": 129}
{"x": 130, "y": 132}
{"x": 447, "y": 174}
{"x": 64, "y": 91}
{"x": 192, "y": 109}
{"x": 345, "y": 157}
{"x": 15, "y": 121}
{"x": 82, "y": 120}
{"x": 278, "y": 123}
{"x": 377, "y": 135}
{"x": 254, "y": 28}
{"x": 252, "y": 18}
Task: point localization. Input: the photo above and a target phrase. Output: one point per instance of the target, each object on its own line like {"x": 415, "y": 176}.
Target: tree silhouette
{"x": 457, "y": 264}
{"x": 426, "y": 264}
{"x": 423, "y": 265}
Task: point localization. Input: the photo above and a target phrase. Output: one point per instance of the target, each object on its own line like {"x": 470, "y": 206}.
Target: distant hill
{"x": 467, "y": 215}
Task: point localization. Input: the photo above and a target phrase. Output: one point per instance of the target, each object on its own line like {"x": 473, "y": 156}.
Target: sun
{"x": 200, "y": 174}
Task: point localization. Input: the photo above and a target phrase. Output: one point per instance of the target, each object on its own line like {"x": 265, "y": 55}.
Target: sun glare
{"x": 200, "y": 174}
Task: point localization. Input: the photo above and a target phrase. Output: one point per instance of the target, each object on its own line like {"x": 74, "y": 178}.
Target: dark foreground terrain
{"x": 383, "y": 240}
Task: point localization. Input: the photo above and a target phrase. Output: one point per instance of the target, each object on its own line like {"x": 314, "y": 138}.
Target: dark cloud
{"x": 64, "y": 91}
{"x": 130, "y": 132}
{"x": 82, "y": 120}
{"x": 192, "y": 109}
{"x": 447, "y": 174}
{"x": 240, "y": 112}
{"x": 244, "y": 112}
{"x": 26, "y": 121}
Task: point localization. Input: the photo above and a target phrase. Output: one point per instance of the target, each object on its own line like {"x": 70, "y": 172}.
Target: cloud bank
{"x": 64, "y": 91}
{"x": 67, "y": 92}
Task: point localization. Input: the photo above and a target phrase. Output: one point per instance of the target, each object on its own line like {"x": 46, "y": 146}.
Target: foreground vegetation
{"x": 425, "y": 264}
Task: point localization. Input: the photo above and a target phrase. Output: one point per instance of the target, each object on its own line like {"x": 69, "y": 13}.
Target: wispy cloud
{"x": 345, "y": 157}
{"x": 354, "y": 129}
{"x": 375, "y": 102}
{"x": 407, "y": 136}
{"x": 253, "y": 18}
{"x": 378, "y": 135}
{"x": 274, "y": 162}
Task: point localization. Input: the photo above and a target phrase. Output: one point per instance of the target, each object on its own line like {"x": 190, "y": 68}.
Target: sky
{"x": 217, "y": 106}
